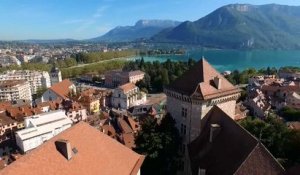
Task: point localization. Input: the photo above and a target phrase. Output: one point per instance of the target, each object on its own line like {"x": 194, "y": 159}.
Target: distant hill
{"x": 241, "y": 26}
{"x": 142, "y": 29}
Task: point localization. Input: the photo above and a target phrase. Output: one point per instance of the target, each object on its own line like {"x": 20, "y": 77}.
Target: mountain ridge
{"x": 142, "y": 29}
{"x": 240, "y": 26}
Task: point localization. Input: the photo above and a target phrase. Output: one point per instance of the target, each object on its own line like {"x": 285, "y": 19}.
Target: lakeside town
{"x": 115, "y": 87}
{"x": 40, "y": 108}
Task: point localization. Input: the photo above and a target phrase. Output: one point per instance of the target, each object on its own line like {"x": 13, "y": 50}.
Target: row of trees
{"x": 282, "y": 142}
{"x": 98, "y": 68}
{"x": 101, "y": 56}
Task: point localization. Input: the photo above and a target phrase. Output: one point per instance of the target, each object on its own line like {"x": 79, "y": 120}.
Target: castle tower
{"x": 192, "y": 95}
{"x": 55, "y": 75}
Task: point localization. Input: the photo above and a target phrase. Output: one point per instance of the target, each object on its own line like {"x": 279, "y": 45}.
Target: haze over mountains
{"x": 142, "y": 29}
{"x": 235, "y": 26}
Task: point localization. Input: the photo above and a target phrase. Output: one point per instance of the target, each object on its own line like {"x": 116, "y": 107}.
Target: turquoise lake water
{"x": 234, "y": 59}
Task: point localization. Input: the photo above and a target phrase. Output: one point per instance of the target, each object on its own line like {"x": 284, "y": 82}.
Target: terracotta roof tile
{"x": 97, "y": 154}
{"x": 127, "y": 87}
{"x": 62, "y": 88}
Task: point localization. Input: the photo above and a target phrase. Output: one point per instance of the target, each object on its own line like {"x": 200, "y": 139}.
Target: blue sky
{"x": 82, "y": 19}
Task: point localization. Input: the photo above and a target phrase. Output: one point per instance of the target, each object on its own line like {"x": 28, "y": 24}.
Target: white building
{"x": 13, "y": 90}
{"x": 191, "y": 96}
{"x": 36, "y": 79}
{"x": 40, "y": 128}
{"x": 55, "y": 76}
{"x": 127, "y": 95}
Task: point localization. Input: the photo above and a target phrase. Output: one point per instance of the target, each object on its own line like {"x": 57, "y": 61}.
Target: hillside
{"x": 142, "y": 29}
{"x": 241, "y": 26}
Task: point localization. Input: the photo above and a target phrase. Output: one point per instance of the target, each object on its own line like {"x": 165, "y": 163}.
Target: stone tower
{"x": 192, "y": 95}
{"x": 55, "y": 75}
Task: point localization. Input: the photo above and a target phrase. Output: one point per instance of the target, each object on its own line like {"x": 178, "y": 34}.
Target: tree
{"x": 160, "y": 143}
{"x": 281, "y": 141}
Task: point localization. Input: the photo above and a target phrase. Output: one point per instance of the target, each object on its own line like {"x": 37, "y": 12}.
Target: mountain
{"x": 238, "y": 26}
{"x": 142, "y": 29}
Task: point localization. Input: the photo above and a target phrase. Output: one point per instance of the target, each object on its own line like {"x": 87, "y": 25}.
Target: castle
{"x": 192, "y": 95}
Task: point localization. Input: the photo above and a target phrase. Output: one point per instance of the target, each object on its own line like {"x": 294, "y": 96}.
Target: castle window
{"x": 184, "y": 112}
{"x": 183, "y": 129}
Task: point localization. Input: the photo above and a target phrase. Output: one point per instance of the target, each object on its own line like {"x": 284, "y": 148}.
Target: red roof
{"x": 62, "y": 88}
{"x": 97, "y": 154}
{"x": 127, "y": 87}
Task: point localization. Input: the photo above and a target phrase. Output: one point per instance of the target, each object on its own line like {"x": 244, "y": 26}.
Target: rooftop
{"x": 11, "y": 83}
{"x": 43, "y": 123}
{"x": 62, "y": 88}
{"x": 230, "y": 150}
{"x": 127, "y": 87}
{"x": 96, "y": 154}
{"x": 201, "y": 81}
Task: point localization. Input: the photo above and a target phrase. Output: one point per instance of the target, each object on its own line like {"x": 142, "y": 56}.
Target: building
{"x": 258, "y": 104}
{"x": 79, "y": 150}
{"x": 126, "y": 96}
{"x": 40, "y": 128}
{"x": 90, "y": 99}
{"x": 55, "y": 75}
{"x": 287, "y": 73}
{"x": 192, "y": 95}
{"x": 36, "y": 79}
{"x": 224, "y": 147}
{"x": 7, "y": 127}
{"x": 117, "y": 78}
{"x": 13, "y": 90}
{"x": 59, "y": 90}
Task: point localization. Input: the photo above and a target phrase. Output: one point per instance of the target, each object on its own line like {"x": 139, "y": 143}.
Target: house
{"x": 40, "y": 128}
{"x": 192, "y": 95}
{"x": 7, "y": 127}
{"x": 224, "y": 147}
{"x": 79, "y": 150}
{"x": 59, "y": 90}
{"x": 127, "y": 95}
{"x": 258, "y": 105}
{"x": 90, "y": 99}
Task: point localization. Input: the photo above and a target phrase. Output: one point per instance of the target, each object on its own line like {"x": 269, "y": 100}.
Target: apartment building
{"x": 36, "y": 79}
{"x": 13, "y": 90}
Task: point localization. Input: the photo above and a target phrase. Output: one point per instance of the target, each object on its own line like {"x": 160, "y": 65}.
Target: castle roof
{"x": 200, "y": 81}
{"x": 230, "y": 150}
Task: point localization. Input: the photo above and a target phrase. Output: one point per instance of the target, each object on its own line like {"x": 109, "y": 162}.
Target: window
{"x": 183, "y": 129}
{"x": 182, "y": 148}
{"x": 184, "y": 112}
{"x": 181, "y": 165}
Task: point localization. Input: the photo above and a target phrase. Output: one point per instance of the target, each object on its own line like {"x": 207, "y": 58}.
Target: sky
{"x": 84, "y": 19}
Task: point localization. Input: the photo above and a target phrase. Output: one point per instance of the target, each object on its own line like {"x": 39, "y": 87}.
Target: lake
{"x": 235, "y": 59}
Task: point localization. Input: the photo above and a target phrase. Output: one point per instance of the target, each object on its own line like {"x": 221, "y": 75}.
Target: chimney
{"x": 64, "y": 147}
{"x": 218, "y": 82}
{"x": 214, "y": 131}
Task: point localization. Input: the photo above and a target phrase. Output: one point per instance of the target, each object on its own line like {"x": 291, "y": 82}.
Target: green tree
{"x": 281, "y": 141}
{"x": 160, "y": 143}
